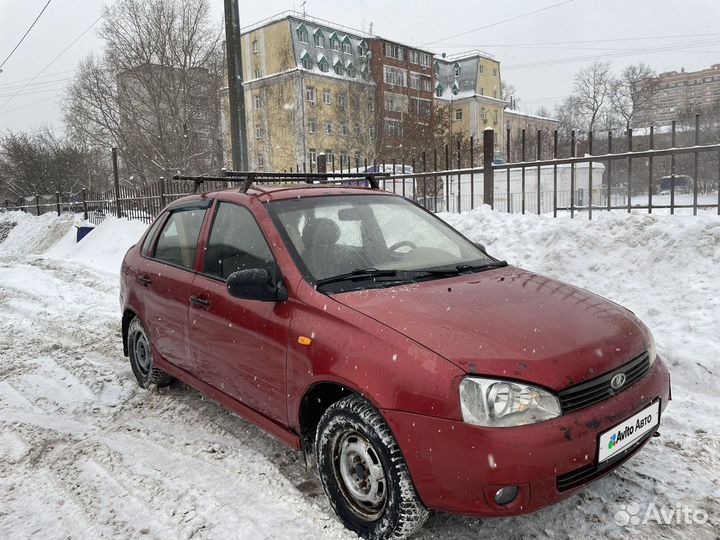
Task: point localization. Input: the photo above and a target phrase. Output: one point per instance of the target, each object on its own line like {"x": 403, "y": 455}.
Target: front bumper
{"x": 458, "y": 467}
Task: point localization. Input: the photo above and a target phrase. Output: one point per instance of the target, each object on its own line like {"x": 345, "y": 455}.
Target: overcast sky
{"x": 539, "y": 53}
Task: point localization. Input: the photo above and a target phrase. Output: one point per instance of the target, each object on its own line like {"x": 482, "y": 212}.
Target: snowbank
{"x": 88, "y": 453}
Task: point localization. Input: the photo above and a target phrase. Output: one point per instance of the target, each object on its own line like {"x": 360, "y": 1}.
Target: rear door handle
{"x": 199, "y": 301}
{"x": 145, "y": 280}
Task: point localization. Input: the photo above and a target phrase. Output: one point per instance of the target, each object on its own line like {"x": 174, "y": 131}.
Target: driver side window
{"x": 236, "y": 243}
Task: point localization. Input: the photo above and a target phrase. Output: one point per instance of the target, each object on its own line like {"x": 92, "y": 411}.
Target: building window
{"x": 362, "y": 49}
{"x": 482, "y": 69}
{"x": 394, "y": 76}
{"x": 495, "y": 117}
{"x": 394, "y": 51}
{"x": 319, "y": 38}
{"x": 329, "y": 157}
{"x": 495, "y": 73}
{"x": 324, "y": 65}
{"x": 339, "y": 68}
{"x": 343, "y": 129}
{"x": 414, "y": 57}
{"x": 357, "y": 129}
{"x": 456, "y": 70}
{"x": 327, "y": 96}
{"x": 311, "y": 95}
{"x": 414, "y": 81}
{"x": 259, "y": 132}
{"x": 258, "y": 73}
{"x": 425, "y": 60}
{"x": 302, "y": 34}
{"x": 307, "y": 62}
{"x": 261, "y": 161}
{"x": 483, "y": 115}
{"x": 426, "y": 84}
{"x": 347, "y": 45}
{"x": 436, "y": 67}
{"x": 439, "y": 90}
{"x": 371, "y": 104}
{"x": 328, "y": 128}
{"x": 455, "y": 89}
{"x": 458, "y": 114}
{"x": 372, "y": 132}
{"x": 312, "y": 125}
{"x": 312, "y": 154}
{"x": 342, "y": 100}
{"x": 421, "y": 107}
{"x": 393, "y": 127}
{"x": 351, "y": 71}
{"x": 334, "y": 42}
{"x": 395, "y": 102}
{"x": 258, "y": 101}
{"x": 344, "y": 161}
{"x": 482, "y": 91}
{"x": 255, "y": 46}
{"x": 495, "y": 93}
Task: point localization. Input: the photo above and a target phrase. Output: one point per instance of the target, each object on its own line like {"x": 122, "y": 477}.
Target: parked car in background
{"x": 421, "y": 372}
{"x": 683, "y": 184}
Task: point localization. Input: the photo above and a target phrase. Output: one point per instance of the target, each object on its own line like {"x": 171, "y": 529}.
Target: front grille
{"x": 587, "y": 473}
{"x": 598, "y": 389}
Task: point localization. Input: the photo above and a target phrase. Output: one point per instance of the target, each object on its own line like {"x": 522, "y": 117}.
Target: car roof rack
{"x": 246, "y": 179}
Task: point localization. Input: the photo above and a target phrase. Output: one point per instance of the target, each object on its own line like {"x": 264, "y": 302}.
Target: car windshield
{"x": 370, "y": 236}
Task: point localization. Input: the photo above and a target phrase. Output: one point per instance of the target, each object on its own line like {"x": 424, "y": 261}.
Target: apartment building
{"x": 468, "y": 87}
{"x": 405, "y": 93}
{"x": 308, "y": 90}
{"x": 680, "y": 95}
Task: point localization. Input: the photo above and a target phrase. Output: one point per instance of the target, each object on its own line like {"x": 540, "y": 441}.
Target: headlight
{"x": 651, "y": 349}
{"x": 495, "y": 403}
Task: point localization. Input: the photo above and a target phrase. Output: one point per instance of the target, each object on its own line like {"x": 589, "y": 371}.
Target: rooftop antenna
{"x": 303, "y": 7}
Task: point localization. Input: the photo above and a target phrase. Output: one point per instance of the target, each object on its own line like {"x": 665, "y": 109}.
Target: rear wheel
{"x": 141, "y": 359}
{"x": 364, "y": 473}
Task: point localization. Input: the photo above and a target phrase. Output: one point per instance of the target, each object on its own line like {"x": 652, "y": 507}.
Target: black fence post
{"x": 522, "y": 158}
{"x": 84, "y": 202}
{"x": 590, "y": 176}
{"x": 650, "y": 169}
{"x": 539, "y": 157}
{"x": 116, "y": 178}
{"x": 609, "y": 175}
{"x": 629, "y": 177}
{"x": 57, "y": 202}
{"x": 472, "y": 175}
{"x": 447, "y": 178}
{"x": 695, "y": 161}
{"x": 488, "y": 172}
{"x": 507, "y": 142}
{"x": 572, "y": 175}
{"x": 672, "y": 170}
{"x": 555, "y": 155}
{"x": 459, "y": 166}
{"x": 37, "y": 204}
{"x": 162, "y": 192}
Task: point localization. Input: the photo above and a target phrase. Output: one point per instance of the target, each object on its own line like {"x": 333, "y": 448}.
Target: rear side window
{"x": 236, "y": 243}
{"x": 178, "y": 239}
{"x": 147, "y": 245}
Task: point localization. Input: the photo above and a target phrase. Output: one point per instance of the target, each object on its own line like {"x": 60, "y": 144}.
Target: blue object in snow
{"x": 82, "y": 232}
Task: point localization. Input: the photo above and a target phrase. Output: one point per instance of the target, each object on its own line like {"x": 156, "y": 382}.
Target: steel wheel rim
{"x": 360, "y": 474}
{"x": 142, "y": 353}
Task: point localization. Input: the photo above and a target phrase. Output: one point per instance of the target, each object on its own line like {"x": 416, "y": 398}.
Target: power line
{"x": 73, "y": 42}
{"x": 25, "y": 34}
{"x": 496, "y": 23}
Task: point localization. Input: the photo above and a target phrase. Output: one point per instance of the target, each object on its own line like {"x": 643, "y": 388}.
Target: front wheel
{"x": 141, "y": 358}
{"x": 364, "y": 473}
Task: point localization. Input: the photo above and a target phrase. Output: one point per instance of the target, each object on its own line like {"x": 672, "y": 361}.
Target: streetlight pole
{"x": 233, "y": 49}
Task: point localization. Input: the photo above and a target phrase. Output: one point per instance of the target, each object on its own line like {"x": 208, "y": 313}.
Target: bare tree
{"x": 592, "y": 86}
{"x": 569, "y": 115}
{"x": 631, "y": 91}
{"x": 154, "y": 91}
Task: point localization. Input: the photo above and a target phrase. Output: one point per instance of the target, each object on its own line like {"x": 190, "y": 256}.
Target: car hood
{"x": 510, "y": 323}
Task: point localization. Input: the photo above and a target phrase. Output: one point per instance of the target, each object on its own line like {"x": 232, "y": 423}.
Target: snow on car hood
{"x": 509, "y": 323}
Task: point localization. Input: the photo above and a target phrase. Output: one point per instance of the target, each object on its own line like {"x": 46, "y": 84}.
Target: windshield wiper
{"x": 461, "y": 268}
{"x": 358, "y": 274}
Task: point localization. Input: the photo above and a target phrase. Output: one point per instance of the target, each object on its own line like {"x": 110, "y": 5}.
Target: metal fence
{"x": 650, "y": 173}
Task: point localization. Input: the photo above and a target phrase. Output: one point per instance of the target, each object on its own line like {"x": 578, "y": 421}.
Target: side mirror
{"x": 256, "y": 284}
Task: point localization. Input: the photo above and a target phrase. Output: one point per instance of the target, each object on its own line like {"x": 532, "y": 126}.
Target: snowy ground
{"x": 84, "y": 453}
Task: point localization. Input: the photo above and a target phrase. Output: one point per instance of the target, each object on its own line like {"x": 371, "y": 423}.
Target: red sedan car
{"x": 419, "y": 371}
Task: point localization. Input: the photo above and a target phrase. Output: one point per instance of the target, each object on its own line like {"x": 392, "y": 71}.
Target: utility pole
{"x": 233, "y": 49}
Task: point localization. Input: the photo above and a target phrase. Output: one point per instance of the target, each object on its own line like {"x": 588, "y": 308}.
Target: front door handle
{"x": 199, "y": 301}
{"x": 145, "y": 280}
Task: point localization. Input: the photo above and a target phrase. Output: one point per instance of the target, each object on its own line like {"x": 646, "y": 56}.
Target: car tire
{"x": 364, "y": 473}
{"x": 141, "y": 359}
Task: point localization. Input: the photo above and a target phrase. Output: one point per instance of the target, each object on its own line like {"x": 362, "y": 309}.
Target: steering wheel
{"x": 404, "y": 243}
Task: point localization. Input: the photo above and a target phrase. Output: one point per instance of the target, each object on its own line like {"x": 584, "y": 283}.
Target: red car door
{"x": 239, "y": 346}
{"x": 167, "y": 276}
